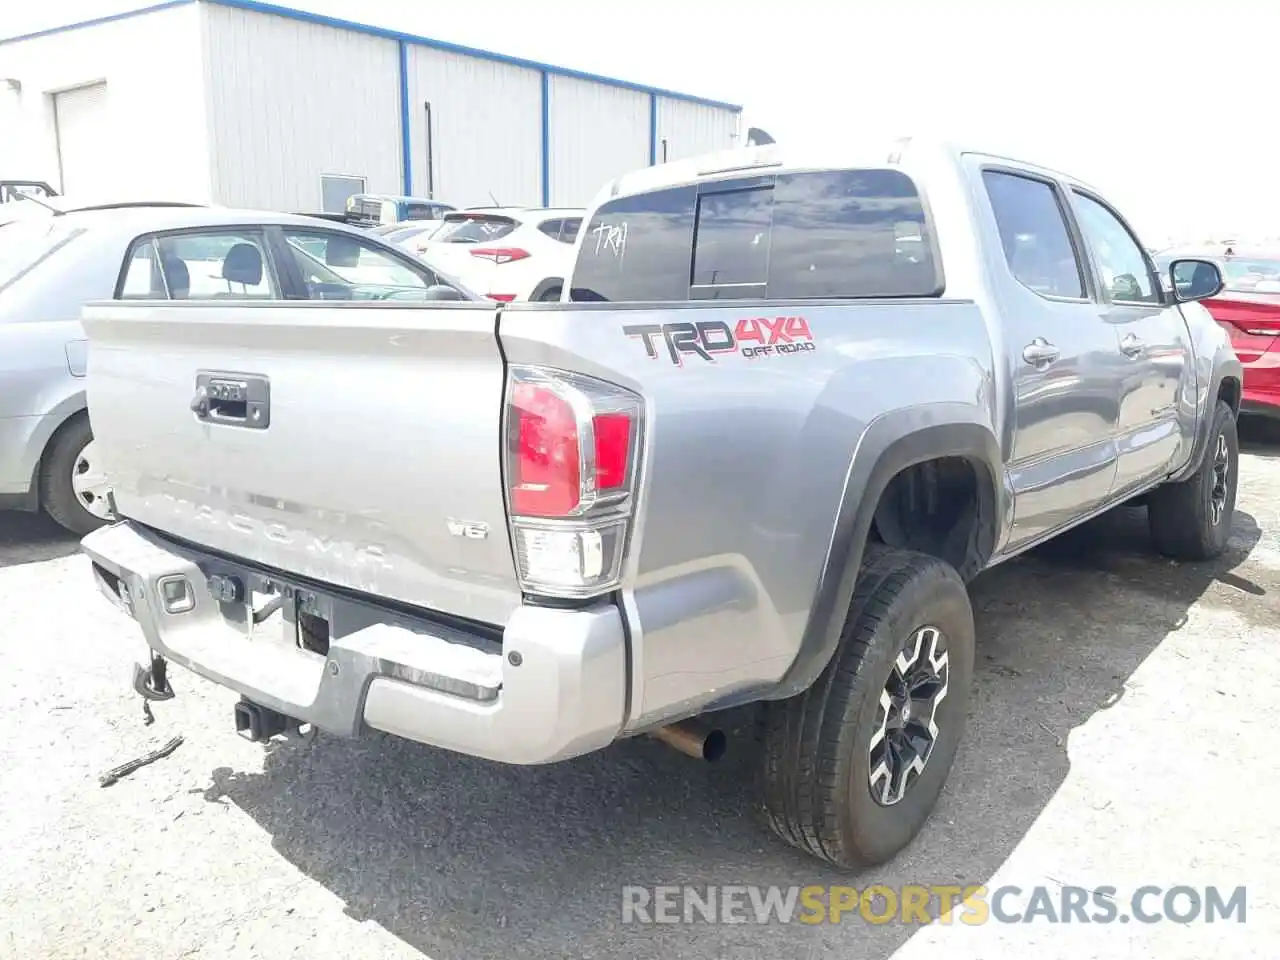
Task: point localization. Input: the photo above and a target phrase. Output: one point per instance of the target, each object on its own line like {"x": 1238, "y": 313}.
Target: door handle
{"x": 1131, "y": 346}
{"x": 1040, "y": 351}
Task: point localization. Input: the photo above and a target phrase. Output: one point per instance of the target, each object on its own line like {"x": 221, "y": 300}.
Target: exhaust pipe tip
{"x": 694, "y": 741}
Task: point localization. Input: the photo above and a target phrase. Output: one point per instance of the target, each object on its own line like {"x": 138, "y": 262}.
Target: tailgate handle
{"x": 232, "y": 399}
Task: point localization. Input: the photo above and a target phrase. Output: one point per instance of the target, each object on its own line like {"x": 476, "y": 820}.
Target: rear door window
{"x": 823, "y": 234}
{"x": 1033, "y": 233}
{"x": 221, "y": 265}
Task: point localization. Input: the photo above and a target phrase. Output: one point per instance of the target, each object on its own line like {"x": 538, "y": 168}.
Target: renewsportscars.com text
{"x": 973, "y": 905}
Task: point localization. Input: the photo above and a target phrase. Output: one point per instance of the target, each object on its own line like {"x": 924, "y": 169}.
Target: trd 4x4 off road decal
{"x": 753, "y": 337}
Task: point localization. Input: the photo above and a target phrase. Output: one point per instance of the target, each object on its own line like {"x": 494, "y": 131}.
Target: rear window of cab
{"x": 833, "y": 234}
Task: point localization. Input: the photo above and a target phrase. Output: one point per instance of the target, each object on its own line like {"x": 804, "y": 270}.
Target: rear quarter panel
{"x": 41, "y": 384}
{"x": 744, "y": 467}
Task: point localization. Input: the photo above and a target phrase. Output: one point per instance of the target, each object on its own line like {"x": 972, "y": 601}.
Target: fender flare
{"x": 890, "y": 444}
{"x": 1222, "y": 370}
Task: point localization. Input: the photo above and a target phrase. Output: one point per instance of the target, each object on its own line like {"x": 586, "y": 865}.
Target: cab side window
{"x": 1033, "y": 233}
{"x": 1126, "y": 273}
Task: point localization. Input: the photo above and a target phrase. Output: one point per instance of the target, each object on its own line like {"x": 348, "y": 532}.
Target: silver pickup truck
{"x": 787, "y": 409}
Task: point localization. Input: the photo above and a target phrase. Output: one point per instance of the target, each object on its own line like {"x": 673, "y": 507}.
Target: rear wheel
{"x": 1192, "y": 520}
{"x": 853, "y": 767}
{"x": 73, "y": 486}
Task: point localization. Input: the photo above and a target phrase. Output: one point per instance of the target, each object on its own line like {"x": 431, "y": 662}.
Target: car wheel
{"x": 853, "y": 767}
{"x": 1192, "y": 520}
{"x": 72, "y": 485}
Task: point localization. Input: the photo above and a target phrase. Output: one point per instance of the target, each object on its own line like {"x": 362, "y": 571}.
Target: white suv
{"x": 506, "y": 253}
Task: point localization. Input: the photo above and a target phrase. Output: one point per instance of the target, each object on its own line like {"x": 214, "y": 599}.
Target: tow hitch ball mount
{"x": 152, "y": 683}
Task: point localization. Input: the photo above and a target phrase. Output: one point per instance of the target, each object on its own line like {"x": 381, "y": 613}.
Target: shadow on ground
{"x": 466, "y": 859}
{"x": 1260, "y": 436}
{"x": 32, "y": 538}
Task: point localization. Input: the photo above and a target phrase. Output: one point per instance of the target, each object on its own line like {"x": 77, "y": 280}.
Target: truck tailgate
{"x": 353, "y": 445}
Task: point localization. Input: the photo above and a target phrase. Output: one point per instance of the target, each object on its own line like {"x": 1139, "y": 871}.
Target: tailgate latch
{"x": 232, "y": 399}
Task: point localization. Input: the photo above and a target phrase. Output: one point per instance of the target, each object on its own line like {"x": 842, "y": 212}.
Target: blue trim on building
{"x": 406, "y": 143}
{"x": 386, "y": 34}
{"x": 546, "y": 139}
{"x": 98, "y": 21}
{"x": 653, "y": 129}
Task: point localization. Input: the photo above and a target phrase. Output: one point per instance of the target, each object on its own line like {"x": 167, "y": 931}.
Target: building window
{"x": 335, "y": 188}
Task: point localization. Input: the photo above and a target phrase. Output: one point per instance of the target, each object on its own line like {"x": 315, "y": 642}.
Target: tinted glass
{"x": 850, "y": 233}
{"x": 571, "y": 228}
{"x": 638, "y": 248}
{"x": 1033, "y": 233}
{"x": 1121, "y": 262}
{"x": 551, "y": 228}
{"x": 474, "y": 229}
{"x": 731, "y": 242}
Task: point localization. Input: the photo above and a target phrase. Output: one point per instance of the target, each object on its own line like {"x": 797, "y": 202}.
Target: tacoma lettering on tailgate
{"x": 752, "y": 337}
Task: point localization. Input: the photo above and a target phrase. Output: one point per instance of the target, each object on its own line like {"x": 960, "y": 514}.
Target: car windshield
{"x": 1250, "y": 273}
{"x": 24, "y": 244}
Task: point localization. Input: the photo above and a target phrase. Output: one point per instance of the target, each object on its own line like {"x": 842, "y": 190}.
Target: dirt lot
{"x": 1120, "y": 734}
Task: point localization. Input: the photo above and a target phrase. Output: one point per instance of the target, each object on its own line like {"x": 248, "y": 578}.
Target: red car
{"x": 1249, "y": 309}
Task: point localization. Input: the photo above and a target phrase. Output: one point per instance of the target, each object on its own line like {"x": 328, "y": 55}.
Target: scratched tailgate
{"x": 348, "y": 444}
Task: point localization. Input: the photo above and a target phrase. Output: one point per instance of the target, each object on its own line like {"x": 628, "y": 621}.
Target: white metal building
{"x": 249, "y": 104}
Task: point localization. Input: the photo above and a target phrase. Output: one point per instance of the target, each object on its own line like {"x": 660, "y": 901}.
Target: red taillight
{"x": 1259, "y": 319}
{"x": 572, "y": 444}
{"x": 546, "y": 462}
{"x": 499, "y": 254}
{"x": 613, "y": 445}
{"x": 501, "y": 297}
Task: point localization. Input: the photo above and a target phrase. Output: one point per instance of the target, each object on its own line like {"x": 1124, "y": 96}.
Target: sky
{"x": 1159, "y": 105}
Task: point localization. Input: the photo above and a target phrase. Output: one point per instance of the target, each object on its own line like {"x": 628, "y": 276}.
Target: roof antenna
{"x": 494, "y": 199}
{"x": 758, "y": 138}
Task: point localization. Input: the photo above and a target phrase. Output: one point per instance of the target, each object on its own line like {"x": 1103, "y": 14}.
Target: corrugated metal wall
{"x": 689, "y": 129}
{"x": 154, "y": 108}
{"x": 289, "y": 101}
{"x": 597, "y": 132}
{"x": 486, "y": 128}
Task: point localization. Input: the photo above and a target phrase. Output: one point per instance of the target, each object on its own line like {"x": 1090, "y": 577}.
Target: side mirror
{"x": 341, "y": 252}
{"x": 1195, "y": 280}
{"x": 441, "y": 291}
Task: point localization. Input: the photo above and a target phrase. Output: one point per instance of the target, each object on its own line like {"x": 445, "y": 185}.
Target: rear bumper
{"x": 564, "y": 695}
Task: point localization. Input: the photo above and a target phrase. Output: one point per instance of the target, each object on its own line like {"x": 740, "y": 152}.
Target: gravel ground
{"x": 1119, "y": 734}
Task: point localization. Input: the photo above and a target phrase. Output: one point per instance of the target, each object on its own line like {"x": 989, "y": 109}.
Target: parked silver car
{"x": 51, "y": 265}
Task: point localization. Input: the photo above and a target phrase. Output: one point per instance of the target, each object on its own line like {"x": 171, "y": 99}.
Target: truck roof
{"x": 776, "y": 157}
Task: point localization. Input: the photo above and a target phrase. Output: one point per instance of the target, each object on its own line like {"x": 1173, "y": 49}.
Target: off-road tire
{"x": 1180, "y": 515}
{"x": 815, "y": 766}
{"x": 57, "y": 498}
